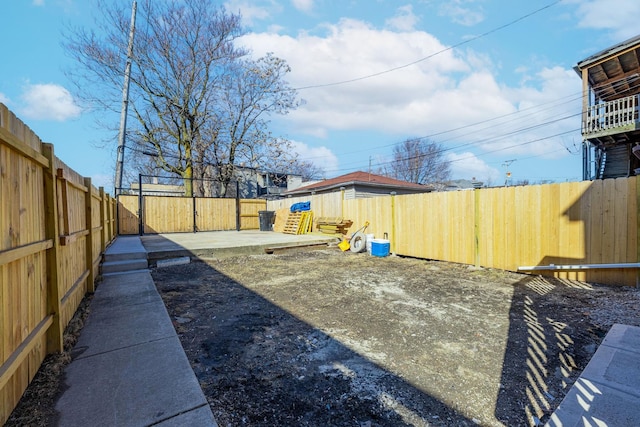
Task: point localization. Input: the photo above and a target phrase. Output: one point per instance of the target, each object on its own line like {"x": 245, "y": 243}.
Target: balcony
{"x": 610, "y": 118}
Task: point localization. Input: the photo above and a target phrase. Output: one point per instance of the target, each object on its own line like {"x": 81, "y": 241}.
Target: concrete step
{"x": 122, "y": 273}
{"x": 123, "y": 266}
{"x": 124, "y": 256}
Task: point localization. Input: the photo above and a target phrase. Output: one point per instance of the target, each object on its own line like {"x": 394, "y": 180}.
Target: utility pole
{"x": 507, "y": 174}
{"x": 125, "y": 105}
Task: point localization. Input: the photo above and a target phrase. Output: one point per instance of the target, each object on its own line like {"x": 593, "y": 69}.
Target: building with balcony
{"x": 610, "y": 105}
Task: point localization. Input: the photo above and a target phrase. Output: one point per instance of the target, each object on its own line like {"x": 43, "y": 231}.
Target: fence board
{"x": 168, "y": 214}
{"x": 35, "y": 270}
{"x": 216, "y": 214}
{"x": 249, "y": 217}
{"x": 128, "y": 219}
{"x": 570, "y": 223}
{"x": 165, "y": 214}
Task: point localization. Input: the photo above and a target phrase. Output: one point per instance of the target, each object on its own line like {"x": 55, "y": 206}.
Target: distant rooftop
{"x": 358, "y": 178}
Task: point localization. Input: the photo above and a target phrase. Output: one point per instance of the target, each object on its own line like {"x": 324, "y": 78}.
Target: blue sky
{"x": 509, "y": 95}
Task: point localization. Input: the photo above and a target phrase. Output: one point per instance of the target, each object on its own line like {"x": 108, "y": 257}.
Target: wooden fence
{"x": 578, "y": 223}
{"x": 166, "y": 214}
{"x": 55, "y": 226}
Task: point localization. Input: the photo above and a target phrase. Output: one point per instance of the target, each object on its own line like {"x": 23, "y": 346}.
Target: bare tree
{"x": 251, "y": 91}
{"x": 418, "y": 161}
{"x": 200, "y": 103}
{"x": 307, "y": 170}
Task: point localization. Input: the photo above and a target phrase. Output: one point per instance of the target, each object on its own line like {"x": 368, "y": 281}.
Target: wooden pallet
{"x": 298, "y": 223}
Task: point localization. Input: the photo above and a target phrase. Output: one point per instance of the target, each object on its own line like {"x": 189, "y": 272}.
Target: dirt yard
{"x": 325, "y": 338}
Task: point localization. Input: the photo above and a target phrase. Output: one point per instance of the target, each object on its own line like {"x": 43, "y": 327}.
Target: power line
{"x": 558, "y": 102}
{"x": 469, "y": 40}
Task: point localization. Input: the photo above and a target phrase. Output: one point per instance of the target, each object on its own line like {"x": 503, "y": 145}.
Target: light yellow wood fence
{"x": 55, "y": 226}
{"x": 578, "y": 223}
{"x": 164, "y": 214}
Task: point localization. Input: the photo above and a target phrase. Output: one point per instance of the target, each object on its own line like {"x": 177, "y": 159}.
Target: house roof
{"x": 614, "y": 72}
{"x": 610, "y": 51}
{"x": 359, "y": 178}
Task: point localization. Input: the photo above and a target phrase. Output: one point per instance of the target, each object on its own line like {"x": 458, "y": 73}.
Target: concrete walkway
{"x": 129, "y": 368}
{"x": 220, "y": 244}
{"x": 608, "y": 390}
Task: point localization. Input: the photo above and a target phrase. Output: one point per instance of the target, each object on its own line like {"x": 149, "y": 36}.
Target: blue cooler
{"x": 380, "y": 247}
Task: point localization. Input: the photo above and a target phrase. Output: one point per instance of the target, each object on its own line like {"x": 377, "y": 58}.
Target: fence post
{"x": 88, "y": 243}
{"x": 103, "y": 220}
{"x": 113, "y": 218}
{"x": 140, "y": 207}
{"x": 476, "y": 226}
{"x": 637, "y": 229}
{"x": 238, "y": 207}
{"x": 55, "y": 331}
{"x": 393, "y": 223}
{"x": 193, "y": 205}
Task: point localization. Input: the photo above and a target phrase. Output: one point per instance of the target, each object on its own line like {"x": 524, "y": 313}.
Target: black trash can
{"x": 266, "y": 220}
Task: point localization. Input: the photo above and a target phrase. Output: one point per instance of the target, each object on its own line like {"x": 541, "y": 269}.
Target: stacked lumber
{"x": 299, "y": 223}
{"x": 333, "y": 225}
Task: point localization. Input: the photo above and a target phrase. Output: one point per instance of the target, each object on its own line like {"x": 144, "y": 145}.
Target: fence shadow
{"x": 604, "y": 218}
{"x": 259, "y": 364}
{"x": 545, "y": 352}
{"x": 550, "y": 350}
{"x": 234, "y": 339}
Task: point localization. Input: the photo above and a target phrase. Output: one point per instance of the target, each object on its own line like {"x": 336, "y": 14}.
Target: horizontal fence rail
{"x": 169, "y": 214}
{"x": 578, "y": 223}
{"x": 55, "y": 226}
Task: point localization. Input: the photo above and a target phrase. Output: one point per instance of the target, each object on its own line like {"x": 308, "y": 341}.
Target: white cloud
{"x": 619, "y": 16}
{"x": 303, "y": 5}
{"x": 451, "y": 89}
{"x": 319, "y": 156}
{"x": 250, "y": 11}
{"x": 467, "y": 166}
{"x": 462, "y": 14}
{"x": 352, "y": 49}
{"x": 405, "y": 19}
{"x": 38, "y": 2}
{"x": 48, "y": 102}
{"x": 4, "y": 98}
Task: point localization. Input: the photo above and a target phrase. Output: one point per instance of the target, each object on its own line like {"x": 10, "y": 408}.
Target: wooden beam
{"x": 103, "y": 222}
{"x": 14, "y": 361}
{"x": 12, "y": 141}
{"x": 55, "y": 330}
{"x": 88, "y": 208}
{"x": 14, "y": 254}
{"x": 67, "y": 239}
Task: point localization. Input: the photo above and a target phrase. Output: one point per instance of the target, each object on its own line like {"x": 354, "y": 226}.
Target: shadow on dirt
{"x": 325, "y": 338}
{"x": 260, "y": 365}
{"x": 549, "y": 349}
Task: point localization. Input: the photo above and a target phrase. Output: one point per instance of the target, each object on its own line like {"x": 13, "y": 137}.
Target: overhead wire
{"x": 454, "y": 46}
{"x": 493, "y": 139}
{"x": 565, "y": 100}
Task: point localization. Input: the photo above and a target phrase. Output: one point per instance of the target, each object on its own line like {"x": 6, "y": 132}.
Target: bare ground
{"x": 324, "y": 338}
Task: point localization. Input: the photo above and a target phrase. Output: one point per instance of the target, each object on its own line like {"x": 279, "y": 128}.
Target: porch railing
{"x": 610, "y": 115}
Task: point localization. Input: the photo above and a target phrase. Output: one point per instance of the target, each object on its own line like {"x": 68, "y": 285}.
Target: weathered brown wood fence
{"x": 166, "y": 214}
{"x": 589, "y": 222}
{"x": 55, "y": 226}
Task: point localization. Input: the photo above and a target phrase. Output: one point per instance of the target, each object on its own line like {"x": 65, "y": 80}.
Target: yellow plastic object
{"x": 344, "y": 245}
